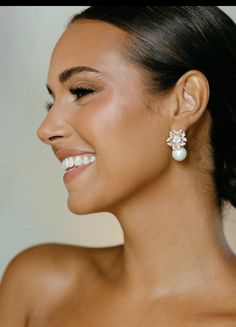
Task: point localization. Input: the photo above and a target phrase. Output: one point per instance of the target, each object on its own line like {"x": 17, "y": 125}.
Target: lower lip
{"x": 74, "y": 172}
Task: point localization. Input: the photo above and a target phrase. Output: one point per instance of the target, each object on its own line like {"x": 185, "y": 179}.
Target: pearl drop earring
{"x": 177, "y": 140}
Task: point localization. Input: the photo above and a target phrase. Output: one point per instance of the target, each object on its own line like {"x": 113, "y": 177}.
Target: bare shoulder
{"x": 35, "y": 273}
{"x": 48, "y": 272}
{"x": 44, "y": 260}
{"x": 38, "y": 265}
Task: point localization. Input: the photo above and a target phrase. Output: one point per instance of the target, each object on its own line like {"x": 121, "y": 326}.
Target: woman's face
{"x": 111, "y": 119}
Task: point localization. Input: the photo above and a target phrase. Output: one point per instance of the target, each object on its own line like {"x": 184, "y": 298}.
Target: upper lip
{"x": 65, "y": 153}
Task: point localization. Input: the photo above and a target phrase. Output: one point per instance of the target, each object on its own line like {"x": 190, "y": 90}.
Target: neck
{"x": 173, "y": 235}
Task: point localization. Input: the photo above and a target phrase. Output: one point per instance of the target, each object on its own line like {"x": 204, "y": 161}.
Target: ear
{"x": 192, "y": 92}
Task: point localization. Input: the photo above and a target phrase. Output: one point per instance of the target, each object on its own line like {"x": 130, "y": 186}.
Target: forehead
{"x": 89, "y": 43}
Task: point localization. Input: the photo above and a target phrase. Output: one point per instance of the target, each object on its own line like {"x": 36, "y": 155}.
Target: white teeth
{"x": 71, "y": 162}
{"x": 92, "y": 159}
{"x": 66, "y": 163}
{"x": 77, "y": 161}
{"x": 86, "y": 160}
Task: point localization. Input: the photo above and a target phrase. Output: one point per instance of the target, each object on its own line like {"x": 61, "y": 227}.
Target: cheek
{"x": 129, "y": 141}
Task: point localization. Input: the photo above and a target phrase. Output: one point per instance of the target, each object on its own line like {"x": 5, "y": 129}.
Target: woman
{"x": 143, "y": 120}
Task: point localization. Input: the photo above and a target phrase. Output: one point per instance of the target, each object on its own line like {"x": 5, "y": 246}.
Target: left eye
{"x": 48, "y": 105}
{"x": 79, "y": 92}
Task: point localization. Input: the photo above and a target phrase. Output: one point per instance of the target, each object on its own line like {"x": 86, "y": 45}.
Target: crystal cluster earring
{"x": 177, "y": 140}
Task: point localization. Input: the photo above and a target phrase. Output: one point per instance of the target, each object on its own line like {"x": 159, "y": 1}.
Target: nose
{"x": 53, "y": 129}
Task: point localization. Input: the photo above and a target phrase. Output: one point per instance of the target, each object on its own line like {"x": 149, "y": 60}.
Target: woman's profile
{"x": 143, "y": 121}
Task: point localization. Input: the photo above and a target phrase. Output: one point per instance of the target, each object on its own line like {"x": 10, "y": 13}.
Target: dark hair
{"x": 167, "y": 41}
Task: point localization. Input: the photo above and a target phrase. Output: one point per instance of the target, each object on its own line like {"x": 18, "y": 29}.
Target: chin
{"x": 79, "y": 208}
{"x": 83, "y": 206}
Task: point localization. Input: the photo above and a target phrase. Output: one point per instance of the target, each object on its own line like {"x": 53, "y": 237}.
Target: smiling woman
{"x": 127, "y": 84}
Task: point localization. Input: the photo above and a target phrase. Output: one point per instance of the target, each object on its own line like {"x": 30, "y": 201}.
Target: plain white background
{"x": 33, "y": 198}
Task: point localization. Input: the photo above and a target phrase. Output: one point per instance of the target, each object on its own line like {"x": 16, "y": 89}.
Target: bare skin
{"x": 175, "y": 267}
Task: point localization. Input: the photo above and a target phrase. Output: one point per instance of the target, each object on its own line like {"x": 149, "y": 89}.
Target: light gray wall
{"x": 33, "y": 198}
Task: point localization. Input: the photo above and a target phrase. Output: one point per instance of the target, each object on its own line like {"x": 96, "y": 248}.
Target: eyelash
{"x": 79, "y": 92}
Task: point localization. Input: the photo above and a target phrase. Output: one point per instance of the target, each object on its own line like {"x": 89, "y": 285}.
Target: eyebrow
{"x": 69, "y": 72}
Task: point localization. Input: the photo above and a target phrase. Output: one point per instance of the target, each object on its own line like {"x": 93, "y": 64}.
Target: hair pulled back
{"x": 167, "y": 41}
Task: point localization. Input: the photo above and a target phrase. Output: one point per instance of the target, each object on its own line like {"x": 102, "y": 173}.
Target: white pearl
{"x": 180, "y": 154}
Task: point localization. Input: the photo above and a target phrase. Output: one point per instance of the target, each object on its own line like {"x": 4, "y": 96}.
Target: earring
{"x": 177, "y": 140}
